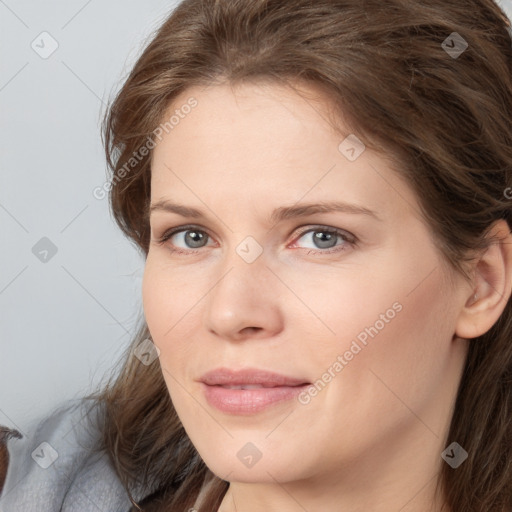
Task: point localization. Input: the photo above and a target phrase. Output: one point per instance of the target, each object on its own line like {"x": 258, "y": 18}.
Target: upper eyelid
{"x": 303, "y": 229}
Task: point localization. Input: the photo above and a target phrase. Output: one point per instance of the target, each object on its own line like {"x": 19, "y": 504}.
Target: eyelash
{"x": 349, "y": 239}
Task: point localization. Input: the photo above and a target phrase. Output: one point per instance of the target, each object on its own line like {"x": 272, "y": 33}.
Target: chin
{"x": 248, "y": 467}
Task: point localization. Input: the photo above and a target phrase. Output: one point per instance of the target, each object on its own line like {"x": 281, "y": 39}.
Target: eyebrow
{"x": 279, "y": 214}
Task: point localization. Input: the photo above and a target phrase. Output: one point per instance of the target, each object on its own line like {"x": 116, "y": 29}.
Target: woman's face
{"x": 355, "y": 303}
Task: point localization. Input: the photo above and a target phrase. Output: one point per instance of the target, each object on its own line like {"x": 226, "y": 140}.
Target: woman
{"x": 321, "y": 191}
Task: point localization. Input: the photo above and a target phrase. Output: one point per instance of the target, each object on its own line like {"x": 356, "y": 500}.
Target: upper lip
{"x": 249, "y": 376}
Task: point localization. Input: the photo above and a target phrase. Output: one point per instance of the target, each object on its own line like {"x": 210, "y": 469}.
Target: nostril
{"x": 251, "y": 330}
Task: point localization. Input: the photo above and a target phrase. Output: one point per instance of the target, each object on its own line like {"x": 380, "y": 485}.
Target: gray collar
{"x": 52, "y": 469}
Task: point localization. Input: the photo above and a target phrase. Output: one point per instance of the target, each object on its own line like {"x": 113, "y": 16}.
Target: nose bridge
{"x": 245, "y": 263}
{"x": 242, "y": 294}
{"x": 242, "y": 274}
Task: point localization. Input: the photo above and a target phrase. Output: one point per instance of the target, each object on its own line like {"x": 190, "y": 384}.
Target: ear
{"x": 492, "y": 285}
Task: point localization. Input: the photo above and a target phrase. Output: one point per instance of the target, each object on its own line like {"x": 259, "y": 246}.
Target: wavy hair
{"x": 389, "y": 73}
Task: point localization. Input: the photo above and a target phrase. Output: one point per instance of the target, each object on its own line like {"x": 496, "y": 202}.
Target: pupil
{"x": 193, "y": 238}
{"x": 320, "y": 238}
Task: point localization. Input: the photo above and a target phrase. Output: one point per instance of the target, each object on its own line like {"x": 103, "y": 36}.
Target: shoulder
{"x": 56, "y": 466}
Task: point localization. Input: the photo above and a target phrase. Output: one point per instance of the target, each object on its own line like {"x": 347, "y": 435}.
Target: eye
{"x": 324, "y": 239}
{"x": 190, "y": 236}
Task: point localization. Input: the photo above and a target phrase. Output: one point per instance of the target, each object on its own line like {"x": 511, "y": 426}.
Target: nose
{"x": 243, "y": 302}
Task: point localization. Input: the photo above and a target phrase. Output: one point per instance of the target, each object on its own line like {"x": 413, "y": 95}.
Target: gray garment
{"x": 63, "y": 475}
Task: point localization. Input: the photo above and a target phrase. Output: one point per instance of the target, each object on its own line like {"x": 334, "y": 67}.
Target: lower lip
{"x": 249, "y": 401}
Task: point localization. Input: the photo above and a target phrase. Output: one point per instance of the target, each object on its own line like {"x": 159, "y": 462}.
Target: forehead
{"x": 261, "y": 141}
{"x": 249, "y": 115}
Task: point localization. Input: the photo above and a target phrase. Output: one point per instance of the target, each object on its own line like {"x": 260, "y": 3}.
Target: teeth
{"x": 248, "y": 386}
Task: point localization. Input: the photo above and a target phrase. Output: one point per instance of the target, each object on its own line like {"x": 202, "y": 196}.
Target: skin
{"x": 372, "y": 438}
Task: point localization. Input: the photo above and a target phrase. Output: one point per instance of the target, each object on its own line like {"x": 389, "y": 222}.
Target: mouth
{"x": 249, "y": 391}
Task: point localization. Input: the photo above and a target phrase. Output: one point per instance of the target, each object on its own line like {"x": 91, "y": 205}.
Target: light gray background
{"x": 64, "y": 322}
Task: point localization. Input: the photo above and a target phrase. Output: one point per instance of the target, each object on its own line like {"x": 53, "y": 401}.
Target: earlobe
{"x": 492, "y": 286}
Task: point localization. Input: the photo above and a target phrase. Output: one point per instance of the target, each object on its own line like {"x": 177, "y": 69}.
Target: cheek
{"x": 168, "y": 299}
{"x": 152, "y": 295}
{"x": 393, "y": 322}
{"x": 346, "y": 312}
{"x": 163, "y": 295}
{"x": 403, "y": 362}
{"x": 159, "y": 298}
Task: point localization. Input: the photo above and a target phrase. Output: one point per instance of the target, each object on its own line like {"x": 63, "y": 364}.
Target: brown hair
{"x": 387, "y": 70}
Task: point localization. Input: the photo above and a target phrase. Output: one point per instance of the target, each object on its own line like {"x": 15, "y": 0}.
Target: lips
{"x": 249, "y": 378}
{"x": 248, "y": 391}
